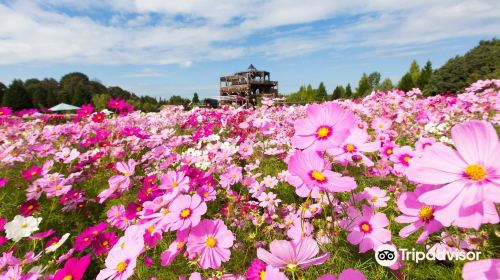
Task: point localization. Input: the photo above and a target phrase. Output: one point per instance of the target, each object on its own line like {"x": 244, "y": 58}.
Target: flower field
{"x": 275, "y": 192}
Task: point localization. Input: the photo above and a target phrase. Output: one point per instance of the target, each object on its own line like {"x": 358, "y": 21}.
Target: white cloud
{"x": 185, "y": 32}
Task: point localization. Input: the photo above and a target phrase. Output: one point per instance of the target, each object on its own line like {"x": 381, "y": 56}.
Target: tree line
{"x": 481, "y": 62}
{"x": 75, "y": 89}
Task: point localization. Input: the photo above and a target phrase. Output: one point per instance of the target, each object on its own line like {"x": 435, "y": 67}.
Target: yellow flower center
{"x": 150, "y": 229}
{"x": 262, "y": 275}
{"x": 406, "y": 159}
{"x": 33, "y": 173}
{"x": 186, "y": 213}
{"x": 179, "y": 245}
{"x": 425, "y": 213}
{"x": 323, "y": 132}
{"x": 475, "y": 172}
{"x": 380, "y": 125}
{"x": 30, "y": 207}
{"x": 121, "y": 267}
{"x": 126, "y": 174}
{"x": 318, "y": 176}
{"x": 365, "y": 227}
{"x": 68, "y": 277}
{"x": 388, "y": 152}
{"x": 349, "y": 147}
{"x": 165, "y": 212}
{"x": 210, "y": 242}
{"x": 374, "y": 199}
{"x": 291, "y": 266}
{"x": 105, "y": 243}
{"x": 24, "y": 225}
{"x": 175, "y": 184}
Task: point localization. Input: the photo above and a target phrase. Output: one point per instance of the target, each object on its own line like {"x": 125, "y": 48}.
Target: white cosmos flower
{"x": 58, "y": 244}
{"x": 21, "y": 227}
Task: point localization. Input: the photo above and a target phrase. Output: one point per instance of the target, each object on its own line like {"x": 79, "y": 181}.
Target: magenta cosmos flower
{"x": 210, "y": 241}
{"x": 185, "y": 212}
{"x": 73, "y": 269}
{"x": 469, "y": 177}
{"x": 417, "y": 214}
{"x": 368, "y": 229}
{"x": 326, "y": 126}
{"x": 292, "y": 254}
{"x": 308, "y": 171}
{"x": 482, "y": 270}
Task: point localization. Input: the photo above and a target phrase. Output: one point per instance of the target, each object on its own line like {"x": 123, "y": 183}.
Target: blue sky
{"x": 161, "y": 48}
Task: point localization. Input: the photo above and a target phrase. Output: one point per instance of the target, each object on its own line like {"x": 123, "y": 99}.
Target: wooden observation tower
{"x": 244, "y": 87}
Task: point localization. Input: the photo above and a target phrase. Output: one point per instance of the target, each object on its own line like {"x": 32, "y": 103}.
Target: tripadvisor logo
{"x": 387, "y": 255}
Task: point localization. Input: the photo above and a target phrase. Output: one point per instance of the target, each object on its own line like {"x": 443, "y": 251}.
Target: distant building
{"x": 244, "y": 87}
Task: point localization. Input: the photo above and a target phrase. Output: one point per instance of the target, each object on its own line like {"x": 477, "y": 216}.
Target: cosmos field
{"x": 275, "y": 192}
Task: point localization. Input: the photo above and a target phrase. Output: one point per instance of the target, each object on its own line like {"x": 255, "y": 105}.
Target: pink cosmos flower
{"x": 482, "y": 270}
{"x": 368, "y": 229}
{"x": 232, "y": 176}
{"x": 417, "y": 214}
{"x": 348, "y": 274}
{"x": 210, "y": 241}
{"x": 376, "y": 196}
{"x": 292, "y": 254}
{"x": 308, "y": 171}
{"x": 174, "y": 182}
{"x": 168, "y": 256}
{"x": 186, "y": 212}
{"x": 352, "y": 149}
{"x": 117, "y": 218}
{"x": 326, "y": 126}
{"x": 401, "y": 158}
{"x": 66, "y": 155}
{"x": 73, "y": 269}
{"x": 119, "y": 182}
{"x": 381, "y": 124}
{"x": 121, "y": 260}
{"x": 29, "y": 207}
{"x": 469, "y": 177}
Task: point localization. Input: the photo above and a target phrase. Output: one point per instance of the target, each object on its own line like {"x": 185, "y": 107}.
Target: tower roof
{"x": 251, "y": 68}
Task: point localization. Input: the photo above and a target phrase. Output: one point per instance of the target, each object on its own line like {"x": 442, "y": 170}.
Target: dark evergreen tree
{"x": 3, "y": 88}
{"x": 17, "y": 97}
{"x": 386, "y": 85}
{"x": 364, "y": 86}
{"x": 348, "y": 91}
{"x": 321, "y": 93}
{"x": 338, "y": 92}
{"x": 406, "y": 82}
{"x": 374, "y": 78}
{"x": 196, "y": 99}
{"x": 481, "y": 62}
{"x": 425, "y": 75}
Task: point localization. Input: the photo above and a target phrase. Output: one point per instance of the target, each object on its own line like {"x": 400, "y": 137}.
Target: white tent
{"x": 63, "y": 107}
{"x": 106, "y": 111}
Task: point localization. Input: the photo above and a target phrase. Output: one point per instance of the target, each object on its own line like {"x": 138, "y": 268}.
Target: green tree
{"x": 321, "y": 93}
{"x": 310, "y": 94}
{"x": 338, "y": 92}
{"x": 100, "y": 101}
{"x": 406, "y": 82}
{"x": 374, "y": 78}
{"x": 17, "y": 97}
{"x": 414, "y": 72}
{"x": 196, "y": 99}
{"x": 425, "y": 75}
{"x": 481, "y": 62}
{"x": 348, "y": 91}
{"x": 386, "y": 85}
{"x": 3, "y": 88}
{"x": 364, "y": 86}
